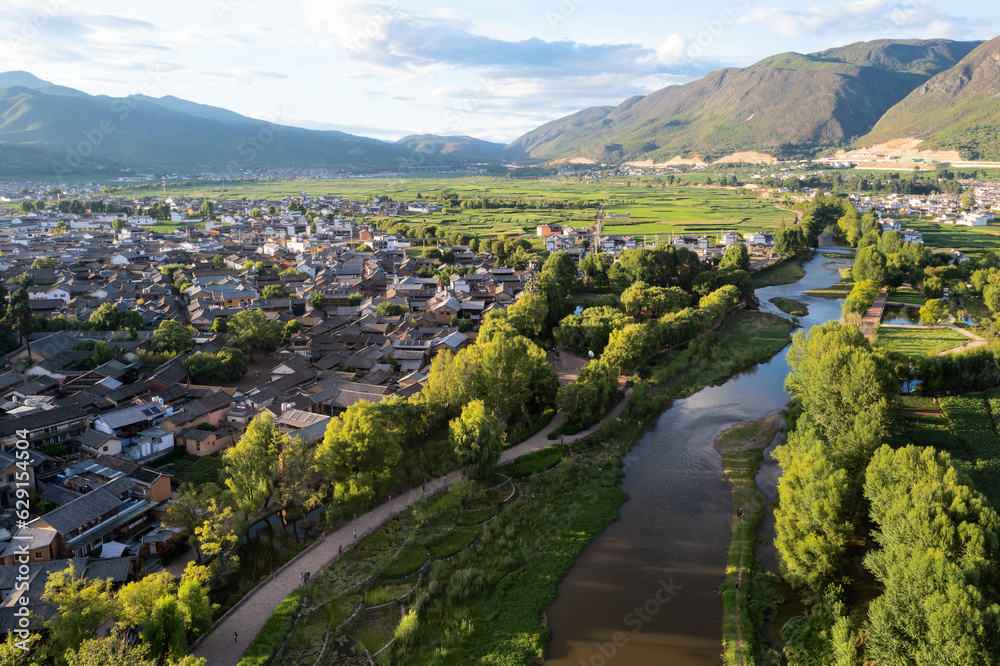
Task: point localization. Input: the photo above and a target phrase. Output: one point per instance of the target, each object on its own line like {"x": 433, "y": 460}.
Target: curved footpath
{"x": 250, "y": 614}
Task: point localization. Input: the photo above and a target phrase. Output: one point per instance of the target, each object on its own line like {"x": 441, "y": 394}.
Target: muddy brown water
{"x": 646, "y": 590}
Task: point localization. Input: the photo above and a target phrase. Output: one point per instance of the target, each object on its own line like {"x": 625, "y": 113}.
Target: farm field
{"x": 653, "y": 210}
{"x": 971, "y": 419}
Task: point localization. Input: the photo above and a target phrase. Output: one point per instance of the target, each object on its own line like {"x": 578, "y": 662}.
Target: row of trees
{"x": 165, "y": 611}
{"x": 936, "y": 536}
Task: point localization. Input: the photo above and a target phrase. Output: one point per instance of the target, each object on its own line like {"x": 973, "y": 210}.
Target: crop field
{"x": 971, "y": 240}
{"x": 653, "y": 209}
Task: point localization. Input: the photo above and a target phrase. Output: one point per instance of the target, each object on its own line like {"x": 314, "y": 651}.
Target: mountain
{"x": 959, "y": 109}
{"x": 464, "y": 147}
{"x": 46, "y": 129}
{"x": 788, "y": 103}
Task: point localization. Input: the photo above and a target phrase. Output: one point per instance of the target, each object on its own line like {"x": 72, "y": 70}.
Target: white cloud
{"x": 674, "y": 51}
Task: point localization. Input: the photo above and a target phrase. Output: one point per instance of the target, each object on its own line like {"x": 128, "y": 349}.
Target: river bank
{"x": 747, "y": 597}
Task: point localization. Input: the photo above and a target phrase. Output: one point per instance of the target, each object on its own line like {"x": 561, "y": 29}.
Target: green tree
{"x": 274, "y": 291}
{"x": 934, "y": 312}
{"x": 135, "y": 601}
{"x": 812, "y": 521}
{"x": 390, "y": 309}
{"x": 223, "y": 367}
{"x": 933, "y": 287}
{"x": 218, "y": 262}
{"x": 869, "y": 264}
{"x": 629, "y": 346}
{"x": 477, "y": 437}
{"x": 207, "y": 209}
{"x": 251, "y": 464}
{"x": 359, "y": 452}
{"x": 165, "y": 633}
{"x": 736, "y": 257}
{"x": 118, "y": 649}
{"x": 81, "y": 607}
{"x": 45, "y": 262}
{"x": 108, "y": 317}
{"x": 252, "y": 331}
{"x": 317, "y": 300}
{"x": 172, "y": 336}
{"x": 198, "y": 609}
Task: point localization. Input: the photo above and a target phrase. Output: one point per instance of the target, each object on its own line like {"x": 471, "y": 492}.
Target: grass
{"x": 375, "y": 629}
{"x": 452, "y": 543}
{"x": 306, "y": 642}
{"x": 907, "y": 295}
{"x": 383, "y": 593}
{"x": 407, "y": 562}
{"x": 786, "y": 271}
{"x": 197, "y": 470}
{"x": 746, "y": 339}
{"x": 536, "y": 462}
{"x": 970, "y": 421}
{"x": 791, "y": 306}
{"x": 917, "y": 342}
{"x": 476, "y": 517}
{"x": 834, "y": 292}
{"x": 746, "y": 608}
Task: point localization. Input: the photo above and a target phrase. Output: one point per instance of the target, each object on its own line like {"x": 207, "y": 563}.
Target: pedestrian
{"x": 236, "y": 637}
{"x": 340, "y": 551}
{"x": 737, "y": 585}
{"x": 424, "y": 488}
{"x": 355, "y": 535}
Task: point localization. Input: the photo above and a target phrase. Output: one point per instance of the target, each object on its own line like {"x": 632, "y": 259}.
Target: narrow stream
{"x": 646, "y": 590}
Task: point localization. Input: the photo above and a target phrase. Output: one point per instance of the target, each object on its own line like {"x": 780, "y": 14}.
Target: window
{"x": 38, "y": 554}
{"x": 10, "y": 478}
{"x": 197, "y": 446}
{"x": 105, "y": 449}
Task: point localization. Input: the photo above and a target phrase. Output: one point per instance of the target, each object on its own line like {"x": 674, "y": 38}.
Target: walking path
{"x": 249, "y": 615}
{"x": 874, "y": 315}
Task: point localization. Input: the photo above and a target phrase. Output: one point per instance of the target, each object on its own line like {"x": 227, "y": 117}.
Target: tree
{"x": 937, "y": 562}
{"x": 812, "y": 521}
{"x": 251, "y": 464}
{"x": 45, "y": 262}
{"x": 219, "y": 325}
{"x": 198, "y": 609}
{"x": 933, "y": 287}
{"x": 136, "y": 600}
{"x": 165, "y": 633}
{"x": 640, "y": 298}
{"x": 934, "y": 312}
{"x": 869, "y": 264}
{"x": 218, "y": 262}
{"x": 223, "y": 367}
{"x": 736, "y": 257}
{"x": 108, "y": 317}
{"x": 274, "y": 291}
{"x": 390, "y": 309}
{"x": 219, "y": 532}
{"x": 317, "y": 300}
{"x": 631, "y": 345}
{"x": 118, "y": 649}
{"x": 477, "y": 437}
{"x": 252, "y": 331}
{"x": 207, "y": 209}
{"x": 359, "y": 452}
{"x": 172, "y": 336}
{"x": 354, "y": 300}
{"x": 81, "y": 607}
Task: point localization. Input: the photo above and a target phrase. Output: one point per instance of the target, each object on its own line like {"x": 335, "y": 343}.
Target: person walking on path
{"x": 355, "y": 535}
{"x": 236, "y": 637}
{"x": 340, "y": 551}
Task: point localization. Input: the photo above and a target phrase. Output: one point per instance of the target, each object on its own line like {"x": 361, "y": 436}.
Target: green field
{"x": 907, "y": 295}
{"x": 654, "y": 210}
{"x": 922, "y": 341}
{"x": 791, "y": 307}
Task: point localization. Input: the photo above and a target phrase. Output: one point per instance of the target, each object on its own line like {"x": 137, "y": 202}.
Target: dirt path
{"x": 246, "y": 618}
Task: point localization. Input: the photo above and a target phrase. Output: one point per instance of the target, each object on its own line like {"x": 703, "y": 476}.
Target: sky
{"x": 493, "y": 70}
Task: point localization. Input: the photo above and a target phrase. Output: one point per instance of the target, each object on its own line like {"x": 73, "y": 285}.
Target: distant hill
{"x": 464, "y": 147}
{"x": 46, "y": 129}
{"x": 787, "y": 104}
{"x": 959, "y": 109}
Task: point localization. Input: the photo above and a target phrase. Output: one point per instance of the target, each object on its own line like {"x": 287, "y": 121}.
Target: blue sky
{"x": 488, "y": 69}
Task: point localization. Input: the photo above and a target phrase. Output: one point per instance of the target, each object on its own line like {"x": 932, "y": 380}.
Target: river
{"x": 646, "y": 590}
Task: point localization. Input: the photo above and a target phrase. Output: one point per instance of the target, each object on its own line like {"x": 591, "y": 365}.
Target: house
{"x": 911, "y": 236}
{"x": 205, "y": 441}
{"x": 14, "y": 476}
{"x": 731, "y": 237}
{"x": 52, "y": 425}
{"x": 81, "y": 527}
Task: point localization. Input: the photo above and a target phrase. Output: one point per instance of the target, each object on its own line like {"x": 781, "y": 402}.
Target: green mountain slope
{"x": 958, "y": 109}
{"x": 463, "y": 147}
{"x": 788, "y": 103}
